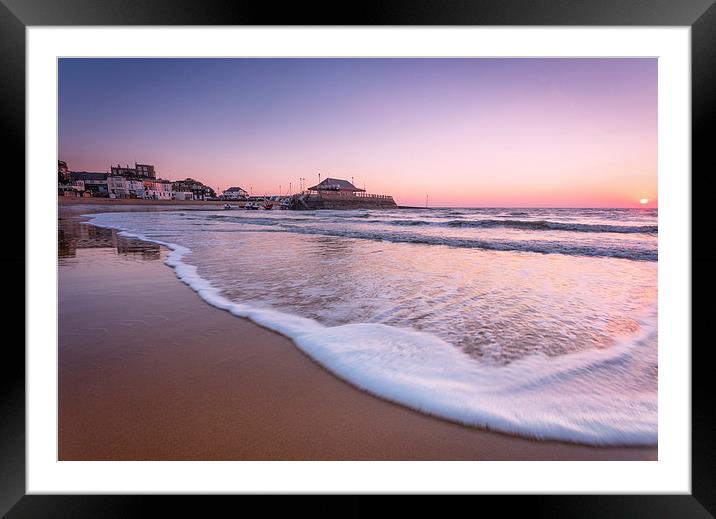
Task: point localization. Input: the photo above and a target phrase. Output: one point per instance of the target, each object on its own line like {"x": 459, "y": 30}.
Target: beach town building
{"x": 157, "y": 189}
{"x": 127, "y": 182}
{"x": 182, "y": 195}
{"x": 335, "y": 193}
{"x": 135, "y": 187}
{"x": 235, "y": 193}
{"x": 139, "y": 170}
{"x": 145, "y": 170}
{"x": 335, "y": 187}
{"x": 95, "y": 183}
{"x": 120, "y": 171}
{"x": 117, "y": 186}
{"x": 199, "y": 190}
{"x": 76, "y": 189}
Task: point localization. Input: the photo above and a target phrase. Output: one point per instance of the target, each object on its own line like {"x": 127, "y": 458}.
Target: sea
{"x": 534, "y": 322}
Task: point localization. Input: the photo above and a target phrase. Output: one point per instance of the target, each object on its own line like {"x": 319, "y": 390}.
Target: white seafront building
{"x": 117, "y": 186}
{"x": 157, "y": 189}
{"x": 127, "y": 187}
{"x": 235, "y": 193}
{"x": 139, "y": 181}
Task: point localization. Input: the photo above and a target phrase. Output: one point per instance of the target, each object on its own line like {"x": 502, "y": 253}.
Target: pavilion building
{"x": 335, "y": 193}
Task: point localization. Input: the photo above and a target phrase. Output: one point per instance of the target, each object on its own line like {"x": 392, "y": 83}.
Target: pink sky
{"x": 464, "y": 132}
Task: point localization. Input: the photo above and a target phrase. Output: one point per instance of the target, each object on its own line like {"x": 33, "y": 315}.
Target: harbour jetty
{"x": 333, "y": 193}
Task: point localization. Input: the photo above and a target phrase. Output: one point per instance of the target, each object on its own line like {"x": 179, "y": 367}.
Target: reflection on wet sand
{"x": 73, "y": 234}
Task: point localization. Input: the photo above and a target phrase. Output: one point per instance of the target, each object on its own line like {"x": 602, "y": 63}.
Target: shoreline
{"x": 70, "y": 201}
{"x": 283, "y": 405}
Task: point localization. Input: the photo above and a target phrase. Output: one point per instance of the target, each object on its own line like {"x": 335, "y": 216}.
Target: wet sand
{"x": 148, "y": 371}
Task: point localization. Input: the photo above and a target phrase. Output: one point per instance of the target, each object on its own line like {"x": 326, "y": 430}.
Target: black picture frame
{"x": 700, "y": 15}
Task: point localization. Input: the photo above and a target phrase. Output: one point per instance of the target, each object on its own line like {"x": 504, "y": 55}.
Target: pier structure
{"x": 333, "y": 193}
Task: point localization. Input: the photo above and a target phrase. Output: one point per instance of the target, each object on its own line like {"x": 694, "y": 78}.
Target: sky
{"x": 473, "y": 132}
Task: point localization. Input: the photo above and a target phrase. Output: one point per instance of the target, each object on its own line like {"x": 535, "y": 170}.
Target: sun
{"x": 644, "y": 201}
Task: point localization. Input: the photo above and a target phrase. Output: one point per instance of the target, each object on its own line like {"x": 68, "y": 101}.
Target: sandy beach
{"x": 149, "y": 371}
{"x": 123, "y": 204}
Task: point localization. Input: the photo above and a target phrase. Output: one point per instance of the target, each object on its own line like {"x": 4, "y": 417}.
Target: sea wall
{"x": 311, "y": 203}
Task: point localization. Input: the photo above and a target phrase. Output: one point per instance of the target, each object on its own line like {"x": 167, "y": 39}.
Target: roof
{"x": 85, "y": 175}
{"x": 335, "y": 184}
{"x": 234, "y": 189}
{"x": 189, "y": 181}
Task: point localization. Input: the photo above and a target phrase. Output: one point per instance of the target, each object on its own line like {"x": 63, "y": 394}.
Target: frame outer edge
{"x": 12, "y": 122}
{"x": 393, "y": 12}
{"x": 12, "y": 379}
{"x": 703, "y": 110}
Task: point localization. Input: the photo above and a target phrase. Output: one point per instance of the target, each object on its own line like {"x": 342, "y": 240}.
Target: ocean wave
{"x": 536, "y": 246}
{"x": 366, "y": 218}
{"x": 402, "y": 222}
{"x": 540, "y": 225}
{"x": 531, "y": 225}
{"x": 538, "y": 396}
{"x": 540, "y": 246}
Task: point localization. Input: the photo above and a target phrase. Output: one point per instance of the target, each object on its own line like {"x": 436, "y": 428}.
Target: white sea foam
{"x": 574, "y": 397}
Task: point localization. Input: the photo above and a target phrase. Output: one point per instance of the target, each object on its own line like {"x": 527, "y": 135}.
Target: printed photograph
{"x": 357, "y": 259}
